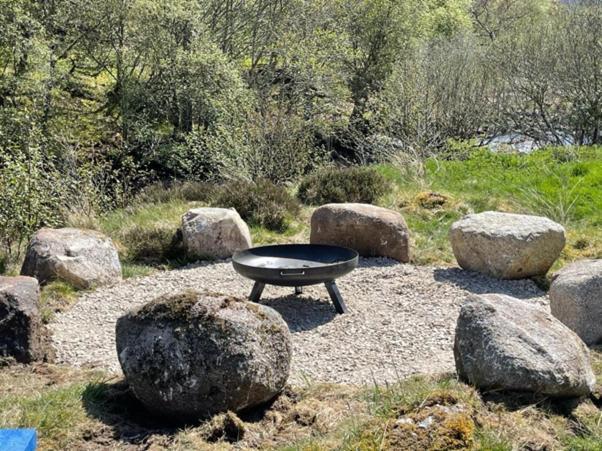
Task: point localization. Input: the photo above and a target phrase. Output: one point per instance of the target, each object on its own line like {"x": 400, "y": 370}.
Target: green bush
{"x": 155, "y": 243}
{"x": 261, "y": 203}
{"x": 30, "y": 197}
{"x": 355, "y": 184}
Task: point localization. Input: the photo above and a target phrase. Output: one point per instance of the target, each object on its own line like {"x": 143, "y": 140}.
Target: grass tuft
{"x": 56, "y": 296}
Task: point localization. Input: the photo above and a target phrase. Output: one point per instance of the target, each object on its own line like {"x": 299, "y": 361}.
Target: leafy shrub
{"x": 274, "y": 145}
{"x": 355, "y": 184}
{"x": 261, "y": 203}
{"x": 30, "y": 198}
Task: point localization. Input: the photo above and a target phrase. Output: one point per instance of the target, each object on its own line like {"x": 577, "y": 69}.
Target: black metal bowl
{"x": 295, "y": 265}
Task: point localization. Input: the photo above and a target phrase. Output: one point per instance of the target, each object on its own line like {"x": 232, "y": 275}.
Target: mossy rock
{"x": 194, "y": 354}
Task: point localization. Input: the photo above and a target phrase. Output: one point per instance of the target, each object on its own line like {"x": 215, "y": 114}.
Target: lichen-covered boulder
{"x": 576, "y": 299}
{"x": 214, "y": 233}
{"x": 194, "y": 354}
{"x": 372, "y": 231}
{"x": 512, "y": 344}
{"x": 505, "y": 245}
{"x": 83, "y": 258}
{"x": 23, "y": 336}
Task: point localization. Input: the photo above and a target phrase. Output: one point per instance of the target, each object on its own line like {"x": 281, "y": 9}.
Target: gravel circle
{"x": 401, "y": 318}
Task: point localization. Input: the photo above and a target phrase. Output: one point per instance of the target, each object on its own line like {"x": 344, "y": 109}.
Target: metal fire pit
{"x": 296, "y": 265}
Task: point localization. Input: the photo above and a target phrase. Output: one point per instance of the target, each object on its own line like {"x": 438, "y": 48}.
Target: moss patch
{"x": 170, "y": 307}
{"x": 186, "y": 306}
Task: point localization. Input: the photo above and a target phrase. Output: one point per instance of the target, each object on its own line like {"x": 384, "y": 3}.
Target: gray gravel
{"x": 401, "y": 319}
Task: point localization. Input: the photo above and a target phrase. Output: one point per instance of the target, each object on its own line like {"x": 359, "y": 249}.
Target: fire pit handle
{"x": 284, "y": 274}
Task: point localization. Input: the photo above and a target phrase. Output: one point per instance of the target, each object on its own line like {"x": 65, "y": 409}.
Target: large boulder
{"x": 372, "y": 231}
{"x": 23, "y": 336}
{"x": 194, "y": 354}
{"x": 505, "y": 245}
{"x": 511, "y": 344}
{"x": 83, "y": 258}
{"x": 576, "y": 299}
{"x": 214, "y": 233}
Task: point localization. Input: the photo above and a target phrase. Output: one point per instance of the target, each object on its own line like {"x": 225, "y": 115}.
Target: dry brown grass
{"x": 81, "y": 409}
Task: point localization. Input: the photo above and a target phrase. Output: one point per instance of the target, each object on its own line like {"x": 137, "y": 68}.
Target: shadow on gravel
{"x": 377, "y": 262}
{"x": 302, "y": 312}
{"x": 477, "y": 283}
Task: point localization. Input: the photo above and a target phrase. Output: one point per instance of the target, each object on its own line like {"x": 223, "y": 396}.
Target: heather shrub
{"x": 354, "y": 184}
{"x": 152, "y": 243}
{"x": 260, "y": 203}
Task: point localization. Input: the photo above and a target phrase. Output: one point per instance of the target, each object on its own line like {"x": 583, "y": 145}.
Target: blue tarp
{"x": 17, "y": 439}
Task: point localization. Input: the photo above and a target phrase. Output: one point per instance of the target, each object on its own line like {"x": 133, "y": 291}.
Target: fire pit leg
{"x": 298, "y": 290}
{"x": 256, "y": 291}
{"x": 335, "y": 296}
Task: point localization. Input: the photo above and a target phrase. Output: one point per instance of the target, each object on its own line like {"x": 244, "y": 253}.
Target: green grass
{"x": 56, "y": 413}
{"x": 144, "y": 234}
{"x": 145, "y": 215}
{"x": 130, "y": 270}
{"x": 55, "y": 297}
{"x": 562, "y": 184}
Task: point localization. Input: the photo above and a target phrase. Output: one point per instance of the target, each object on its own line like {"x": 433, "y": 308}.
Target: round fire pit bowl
{"x": 296, "y": 265}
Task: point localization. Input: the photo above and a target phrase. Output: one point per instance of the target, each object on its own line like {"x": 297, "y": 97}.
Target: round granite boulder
{"x": 83, "y": 258}
{"x": 194, "y": 354}
{"x": 214, "y": 233}
{"x": 512, "y": 344}
{"x": 576, "y": 299}
{"x": 372, "y": 231}
{"x": 505, "y": 245}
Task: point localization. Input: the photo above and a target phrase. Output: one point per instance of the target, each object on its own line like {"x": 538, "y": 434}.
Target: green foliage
{"x": 116, "y": 95}
{"x": 147, "y": 233}
{"x": 55, "y": 297}
{"x": 563, "y": 184}
{"x": 354, "y": 184}
{"x": 31, "y": 197}
{"x": 131, "y": 270}
{"x": 156, "y": 243}
{"x": 260, "y": 203}
{"x": 182, "y": 191}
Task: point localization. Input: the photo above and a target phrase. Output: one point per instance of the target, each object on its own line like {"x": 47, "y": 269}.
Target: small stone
{"x": 404, "y": 420}
{"x": 426, "y": 423}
